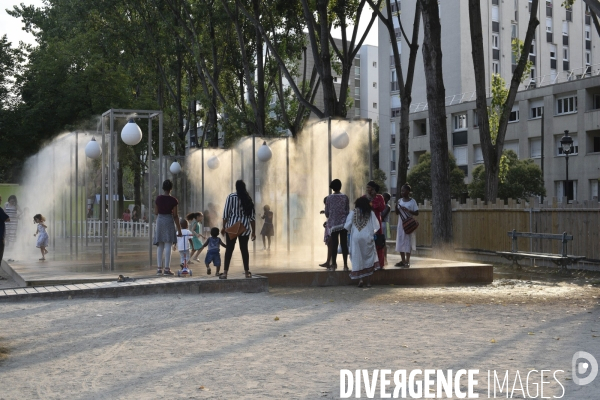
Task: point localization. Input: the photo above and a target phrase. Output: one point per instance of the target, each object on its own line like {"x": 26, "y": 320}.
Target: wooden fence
{"x": 477, "y": 226}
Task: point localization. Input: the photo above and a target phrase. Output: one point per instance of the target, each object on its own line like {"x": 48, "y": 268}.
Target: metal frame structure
{"x": 112, "y": 115}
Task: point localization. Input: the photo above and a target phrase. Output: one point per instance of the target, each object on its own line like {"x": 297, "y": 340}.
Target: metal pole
{"x": 54, "y": 197}
{"x": 71, "y": 204}
{"x": 76, "y": 194}
{"x": 149, "y": 219}
{"x": 287, "y": 172}
{"x": 370, "y": 149}
{"x": 203, "y": 176}
{"x": 542, "y": 155}
{"x": 567, "y": 183}
{"x": 312, "y": 194}
{"x": 329, "y": 149}
{"x": 85, "y": 196}
{"x": 254, "y": 179}
{"x": 161, "y": 177}
{"x": 115, "y": 214}
{"x": 111, "y": 182}
{"x": 103, "y": 200}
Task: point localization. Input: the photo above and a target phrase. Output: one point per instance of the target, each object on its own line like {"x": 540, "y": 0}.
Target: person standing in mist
{"x": 239, "y": 207}
{"x": 4, "y": 218}
{"x": 377, "y": 205}
{"x": 165, "y": 207}
{"x": 405, "y": 243}
{"x": 337, "y": 208}
{"x": 13, "y": 211}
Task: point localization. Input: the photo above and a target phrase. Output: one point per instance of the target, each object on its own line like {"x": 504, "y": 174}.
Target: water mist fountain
{"x": 131, "y": 135}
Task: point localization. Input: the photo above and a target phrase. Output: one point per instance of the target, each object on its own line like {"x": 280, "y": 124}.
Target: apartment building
{"x": 566, "y": 60}
{"x": 363, "y": 82}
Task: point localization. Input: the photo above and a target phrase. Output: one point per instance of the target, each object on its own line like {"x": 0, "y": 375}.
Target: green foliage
{"x": 517, "y": 49}
{"x": 419, "y": 178}
{"x": 380, "y": 178}
{"x": 522, "y": 180}
{"x": 499, "y": 96}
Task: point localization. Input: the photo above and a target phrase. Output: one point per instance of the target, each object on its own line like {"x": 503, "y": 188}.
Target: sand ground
{"x": 292, "y": 343}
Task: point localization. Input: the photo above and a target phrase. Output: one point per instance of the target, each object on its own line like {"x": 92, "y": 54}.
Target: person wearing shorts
{"x": 213, "y": 254}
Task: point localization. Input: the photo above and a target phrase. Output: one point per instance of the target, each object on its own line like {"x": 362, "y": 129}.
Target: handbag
{"x": 235, "y": 230}
{"x": 409, "y": 224}
{"x": 380, "y": 240}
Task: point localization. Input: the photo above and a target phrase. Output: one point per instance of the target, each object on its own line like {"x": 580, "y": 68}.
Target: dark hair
{"x": 183, "y": 223}
{"x": 214, "y": 232}
{"x": 335, "y": 185}
{"x": 193, "y": 215}
{"x": 387, "y": 196}
{"x": 373, "y": 185}
{"x": 245, "y": 199}
{"x": 325, "y": 200}
{"x": 363, "y": 204}
{"x": 11, "y": 197}
{"x": 407, "y": 186}
{"x": 38, "y": 217}
{"x": 167, "y": 185}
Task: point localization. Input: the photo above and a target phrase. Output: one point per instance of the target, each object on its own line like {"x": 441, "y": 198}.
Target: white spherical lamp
{"x": 341, "y": 140}
{"x": 175, "y": 168}
{"x": 264, "y": 153}
{"x": 93, "y": 149}
{"x": 131, "y": 133}
{"x": 213, "y": 162}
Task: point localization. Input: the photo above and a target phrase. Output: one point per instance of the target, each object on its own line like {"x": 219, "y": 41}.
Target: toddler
{"x": 42, "y": 240}
{"x": 183, "y": 246}
{"x": 213, "y": 255}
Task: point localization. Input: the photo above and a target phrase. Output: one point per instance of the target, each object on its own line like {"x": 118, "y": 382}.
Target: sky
{"x": 13, "y": 27}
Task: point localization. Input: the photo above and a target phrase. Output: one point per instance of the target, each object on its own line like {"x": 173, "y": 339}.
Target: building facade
{"x": 564, "y": 54}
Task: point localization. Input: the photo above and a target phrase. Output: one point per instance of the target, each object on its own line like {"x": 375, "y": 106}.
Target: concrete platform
{"x": 277, "y": 267}
{"x": 139, "y": 287}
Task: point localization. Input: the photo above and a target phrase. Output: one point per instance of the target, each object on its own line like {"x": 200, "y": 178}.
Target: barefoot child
{"x": 195, "y": 219}
{"x": 213, "y": 255}
{"x": 183, "y": 245}
{"x": 267, "y": 230}
{"x": 42, "y": 240}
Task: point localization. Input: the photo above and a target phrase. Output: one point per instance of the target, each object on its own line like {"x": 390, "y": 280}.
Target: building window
{"x": 536, "y": 112}
{"x": 374, "y": 84}
{"x": 462, "y": 160}
{"x": 535, "y": 148}
{"x": 393, "y": 139}
{"x": 460, "y": 122}
{"x": 596, "y": 102}
{"x": 514, "y": 31}
{"x": 374, "y": 105}
{"x": 588, "y": 58}
{"x": 569, "y": 15}
{"x": 375, "y": 64}
{"x": 566, "y": 105}
{"x": 475, "y": 119}
{"x": 357, "y": 71}
{"x": 561, "y": 193}
{"x": 548, "y": 8}
{"x": 552, "y": 56}
{"x": 357, "y": 112}
{"x": 477, "y": 154}
{"x": 593, "y": 189}
{"x": 514, "y": 115}
{"x": 495, "y": 67}
{"x": 495, "y": 41}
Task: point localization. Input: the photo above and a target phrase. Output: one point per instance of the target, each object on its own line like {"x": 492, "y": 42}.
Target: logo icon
{"x": 584, "y": 363}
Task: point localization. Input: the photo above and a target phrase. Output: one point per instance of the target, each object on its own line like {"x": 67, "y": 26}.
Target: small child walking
{"x": 195, "y": 219}
{"x": 42, "y": 240}
{"x": 267, "y": 230}
{"x": 213, "y": 255}
{"x": 183, "y": 246}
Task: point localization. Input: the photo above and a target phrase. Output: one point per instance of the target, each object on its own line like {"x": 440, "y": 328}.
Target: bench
{"x": 562, "y": 260}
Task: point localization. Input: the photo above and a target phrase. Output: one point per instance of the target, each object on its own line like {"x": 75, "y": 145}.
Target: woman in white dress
{"x": 362, "y": 225}
{"x": 405, "y": 243}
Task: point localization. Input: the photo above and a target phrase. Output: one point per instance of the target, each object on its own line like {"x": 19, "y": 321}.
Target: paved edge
{"x": 257, "y": 284}
{"x": 5, "y": 266}
{"x": 388, "y": 276}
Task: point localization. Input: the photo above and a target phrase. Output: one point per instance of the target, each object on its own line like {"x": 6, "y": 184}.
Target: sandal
{"x": 324, "y": 265}
{"x": 332, "y": 267}
{"x": 346, "y": 268}
{"x": 42, "y": 259}
{"x": 208, "y": 271}
{"x": 399, "y": 264}
{"x": 222, "y": 276}
{"x": 360, "y": 284}
{"x": 407, "y": 265}
{"x": 248, "y": 274}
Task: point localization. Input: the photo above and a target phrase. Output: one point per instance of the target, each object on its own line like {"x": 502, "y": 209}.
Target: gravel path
{"x": 292, "y": 343}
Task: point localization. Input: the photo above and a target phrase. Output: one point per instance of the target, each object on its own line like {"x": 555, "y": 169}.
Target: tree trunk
{"x": 438, "y": 137}
{"x": 492, "y": 152}
{"x": 260, "y": 74}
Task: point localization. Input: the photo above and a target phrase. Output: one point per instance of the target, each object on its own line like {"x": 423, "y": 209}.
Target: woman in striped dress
{"x": 238, "y": 207}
